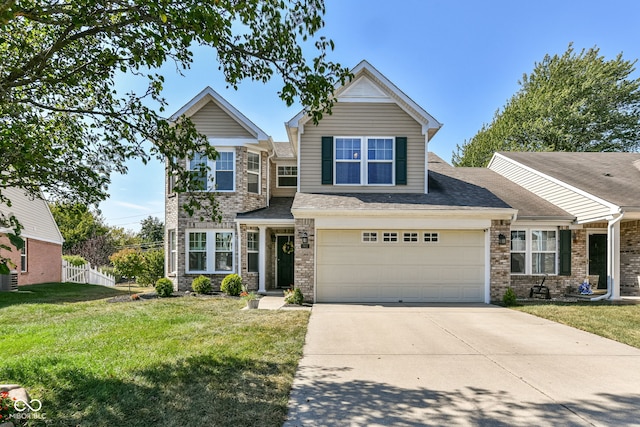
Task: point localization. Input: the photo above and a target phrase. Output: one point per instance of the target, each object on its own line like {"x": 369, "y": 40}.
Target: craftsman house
{"x": 356, "y": 209}
{"x": 40, "y": 260}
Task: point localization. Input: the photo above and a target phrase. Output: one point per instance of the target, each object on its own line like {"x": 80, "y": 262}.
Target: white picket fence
{"x": 85, "y": 274}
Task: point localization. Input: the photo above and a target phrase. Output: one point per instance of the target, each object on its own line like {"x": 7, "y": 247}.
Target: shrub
{"x": 151, "y": 268}
{"x": 232, "y": 285}
{"x": 75, "y": 260}
{"x": 509, "y": 298}
{"x": 112, "y": 271}
{"x": 201, "y": 285}
{"x": 164, "y": 287}
{"x": 293, "y": 296}
{"x": 128, "y": 262}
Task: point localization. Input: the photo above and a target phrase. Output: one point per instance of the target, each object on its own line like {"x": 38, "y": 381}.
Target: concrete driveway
{"x": 415, "y": 365}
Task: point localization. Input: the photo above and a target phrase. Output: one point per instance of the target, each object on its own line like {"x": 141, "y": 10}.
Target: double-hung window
{"x": 534, "y": 251}
{"x": 210, "y": 251}
{"x": 173, "y": 252}
{"x": 364, "y": 160}
{"x": 23, "y": 257}
{"x": 253, "y": 173}
{"x": 287, "y": 176}
{"x": 213, "y": 175}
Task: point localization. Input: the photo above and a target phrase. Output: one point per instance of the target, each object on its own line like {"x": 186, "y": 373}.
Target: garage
{"x": 400, "y": 265}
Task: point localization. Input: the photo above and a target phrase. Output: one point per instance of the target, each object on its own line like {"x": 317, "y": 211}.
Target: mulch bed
{"x": 153, "y": 295}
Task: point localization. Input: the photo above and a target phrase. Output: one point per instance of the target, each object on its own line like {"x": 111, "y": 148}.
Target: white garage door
{"x": 400, "y": 266}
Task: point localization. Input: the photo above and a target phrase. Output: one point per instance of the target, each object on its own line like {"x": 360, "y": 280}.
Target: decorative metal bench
{"x": 540, "y": 289}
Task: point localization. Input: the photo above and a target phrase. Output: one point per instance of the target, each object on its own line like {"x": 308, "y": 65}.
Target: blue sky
{"x": 459, "y": 60}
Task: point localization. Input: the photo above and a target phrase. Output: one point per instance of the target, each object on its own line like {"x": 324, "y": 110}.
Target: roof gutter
{"x": 612, "y": 254}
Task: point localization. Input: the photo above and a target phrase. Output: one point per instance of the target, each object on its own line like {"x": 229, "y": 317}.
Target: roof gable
{"x": 209, "y": 95}
{"x": 34, "y": 215}
{"x": 369, "y": 85}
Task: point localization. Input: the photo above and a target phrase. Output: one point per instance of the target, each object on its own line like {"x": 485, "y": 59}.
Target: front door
{"x": 598, "y": 258}
{"x": 284, "y": 261}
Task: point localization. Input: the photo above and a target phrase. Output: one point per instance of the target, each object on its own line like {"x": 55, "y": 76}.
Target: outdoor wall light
{"x": 304, "y": 238}
{"x": 273, "y": 238}
{"x": 502, "y": 239}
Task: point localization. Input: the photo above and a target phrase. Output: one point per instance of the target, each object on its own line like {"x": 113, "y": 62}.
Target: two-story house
{"x": 356, "y": 209}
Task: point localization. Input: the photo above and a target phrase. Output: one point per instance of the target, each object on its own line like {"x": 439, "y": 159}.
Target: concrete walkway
{"x": 403, "y": 365}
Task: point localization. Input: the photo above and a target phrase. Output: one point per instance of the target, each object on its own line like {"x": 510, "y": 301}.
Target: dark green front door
{"x": 284, "y": 261}
{"x": 598, "y": 258}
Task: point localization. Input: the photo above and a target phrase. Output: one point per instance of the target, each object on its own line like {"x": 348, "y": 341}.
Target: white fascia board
{"x": 232, "y": 142}
{"x": 541, "y": 223}
{"x": 614, "y": 208}
{"x": 269, "y": 222}
{"x": 401, "y": 223}
{"x": 424, "y": 214}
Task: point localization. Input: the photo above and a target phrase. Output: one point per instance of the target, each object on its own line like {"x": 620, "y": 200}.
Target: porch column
{"x": 262, "y": 253}
{"x": 614, "y": 258}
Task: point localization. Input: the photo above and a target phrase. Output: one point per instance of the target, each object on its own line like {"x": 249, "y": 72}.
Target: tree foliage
{"x": 64, "y": 129}
{"x": 127, "y": 262}
{"x": 77, "y": 224}
{"x": 573, "y": 102}
{"x": 151, "y": 231}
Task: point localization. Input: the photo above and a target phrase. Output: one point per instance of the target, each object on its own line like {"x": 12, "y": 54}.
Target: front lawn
{"x": 617, "y": 322}
{"x": 172, "y": 362}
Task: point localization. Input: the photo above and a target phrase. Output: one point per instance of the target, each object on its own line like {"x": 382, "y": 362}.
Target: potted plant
{"x": 251, "y": 298}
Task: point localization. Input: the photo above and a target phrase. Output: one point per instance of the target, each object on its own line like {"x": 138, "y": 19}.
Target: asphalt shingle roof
{"x": 614, "y": 177}
{"x": 279, "y": 208}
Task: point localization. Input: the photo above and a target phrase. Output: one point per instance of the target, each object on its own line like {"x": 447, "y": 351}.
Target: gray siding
{"x": 362, "y": 119}
{"x": 214, "y": 122}
{"x": 575, "y": 203}
{"x": 34, "y": 215}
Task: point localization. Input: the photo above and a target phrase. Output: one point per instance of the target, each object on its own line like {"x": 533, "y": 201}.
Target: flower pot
{"x": 253, "y": 303}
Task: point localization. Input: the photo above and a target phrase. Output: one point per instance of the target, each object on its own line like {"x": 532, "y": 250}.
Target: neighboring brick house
{"x": 356, "y": 209}
{"x": 40, "y": 260}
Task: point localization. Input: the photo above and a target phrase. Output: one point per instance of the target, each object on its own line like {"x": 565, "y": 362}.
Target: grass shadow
{"x": 58, "y": 293}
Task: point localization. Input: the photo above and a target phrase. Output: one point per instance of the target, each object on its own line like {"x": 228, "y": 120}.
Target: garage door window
{"x": 430, "y": 237}
{"x": 410, "y": 237}
{"x": 390, "y": 237}
{"x": 369, "y": 236}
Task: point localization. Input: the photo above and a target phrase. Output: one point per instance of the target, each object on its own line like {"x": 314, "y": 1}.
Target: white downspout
{"x": 613, "y": 250}
{"x": 269, "y": 157}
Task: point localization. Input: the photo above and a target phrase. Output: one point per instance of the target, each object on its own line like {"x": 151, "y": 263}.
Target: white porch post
{"x": 262, "y": 254}
{"x": 614, "y": 258}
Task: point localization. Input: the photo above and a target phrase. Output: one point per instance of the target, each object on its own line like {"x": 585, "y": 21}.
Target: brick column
{"x": 304, "y": 270}
{"x": 500, "y": 259}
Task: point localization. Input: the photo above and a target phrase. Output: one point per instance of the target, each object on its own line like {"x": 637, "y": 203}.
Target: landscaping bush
{"x": 509, "y": 298}
{"x": 75, "y": 260}
{"x": 151, "y": 268}
{"x": 293, "y": 296}
{"x": 127, "y": 262}
{"x": 164, "y": 287}
{"x": 201, "y": 285}
{"x": 232, "y": 285}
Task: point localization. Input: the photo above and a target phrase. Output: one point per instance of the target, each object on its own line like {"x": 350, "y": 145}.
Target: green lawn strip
{"x": 617, "y": 322}
{"x": 174, "y": 362}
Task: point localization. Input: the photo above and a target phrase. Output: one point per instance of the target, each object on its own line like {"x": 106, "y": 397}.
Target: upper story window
{"x": 23, "y": 257}
{"x": 253, "y": 173}
{"x": 287, "y": 176}
{"x": 214, "y": 175}
{"x": 364, "y": 160}
{"x": 534, "y": 251}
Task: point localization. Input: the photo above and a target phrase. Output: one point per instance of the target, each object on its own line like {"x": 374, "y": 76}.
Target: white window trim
{"x": 24, "y": 256}
{"x": 249, "y": 172}
{"x": 528, "y": 252}
{"x": 431, "y": 234}
{"x": 285, "y": 176}
{"x": 173, "y": 251}
{"x": 409, "y": 235}
{"x": 391, "y": 234}
{"x": 210, "y": 251}
{"x": 372, "y": 234}
{"x": 253, "y": 251}
{"x": 211, "y": 173}
{"x": 364, "y": 161}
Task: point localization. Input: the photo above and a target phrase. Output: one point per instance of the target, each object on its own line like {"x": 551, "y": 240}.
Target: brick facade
{"x": 44, "y": 261}
{"x": 630, "y": 258}
{"x": 500, "y": 259}
{"x": 304, "y": 272}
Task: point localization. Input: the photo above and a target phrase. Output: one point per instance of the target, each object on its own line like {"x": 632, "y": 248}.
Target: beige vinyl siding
{"x": 575, "y": 203}
{"x": 214, "y": 122}
{"x": 362, "y": 119}
{"x": 280, "y": 191}
{"x": 34, "y": 216}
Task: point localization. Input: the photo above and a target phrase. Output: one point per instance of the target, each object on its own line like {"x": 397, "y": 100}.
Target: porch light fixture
{"x": 304, "y": 238}
{"x": 502, "y": 239}
{"x": 273, "y": 238}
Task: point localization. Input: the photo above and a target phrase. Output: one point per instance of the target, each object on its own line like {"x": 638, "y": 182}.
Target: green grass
{"x": 617, "y": 322}
{"x": 171, "y": 362}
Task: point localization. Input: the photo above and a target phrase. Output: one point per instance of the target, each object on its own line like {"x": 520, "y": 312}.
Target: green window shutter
{"x": 401, "y": 160}
{"x": 327, "y": 160}
{"x": 565, "y": 253}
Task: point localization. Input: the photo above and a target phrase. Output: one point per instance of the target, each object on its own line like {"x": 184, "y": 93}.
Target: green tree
{"x": 127, "y": 262}
{"x": 77, "y": 224}
{"x": 574, "y": 102}
{"x": 151, "y": 232}
{"x": 65, "y": 129}
{"x": 152, "y": 267}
